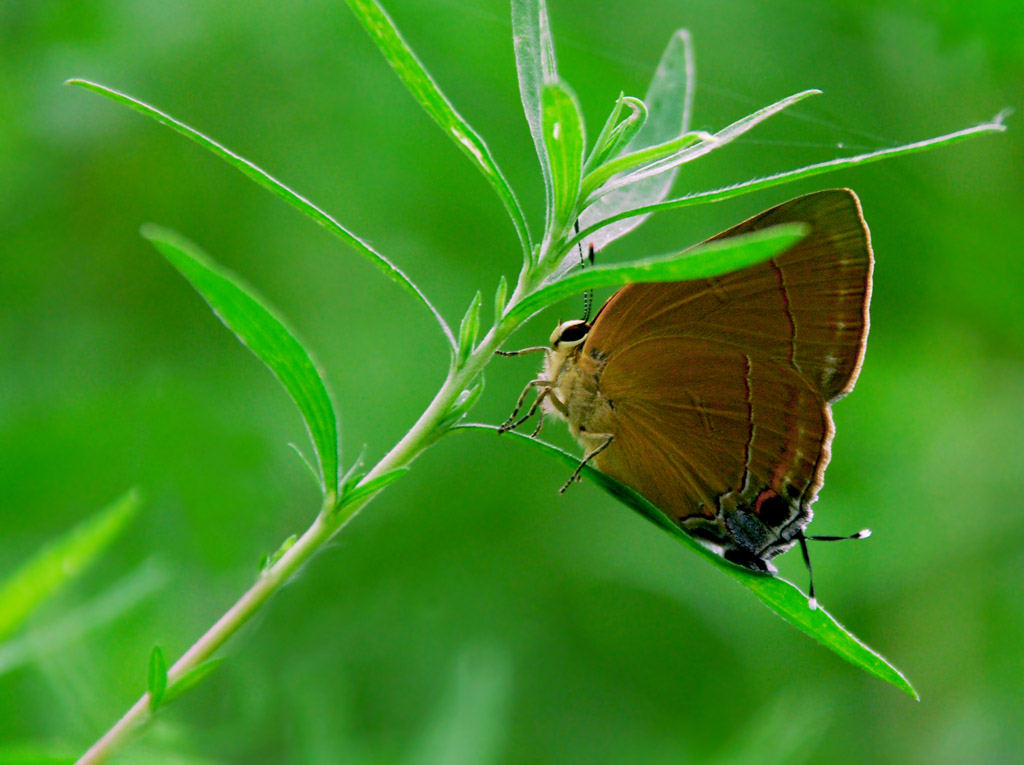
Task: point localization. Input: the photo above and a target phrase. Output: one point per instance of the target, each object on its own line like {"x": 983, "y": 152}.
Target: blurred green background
{"x": 471, "y": 614}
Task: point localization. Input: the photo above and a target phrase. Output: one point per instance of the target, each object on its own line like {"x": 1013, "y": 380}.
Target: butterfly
{"x": 712, "y": 398}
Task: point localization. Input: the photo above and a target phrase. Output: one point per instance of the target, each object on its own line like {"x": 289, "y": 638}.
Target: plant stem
{"x": 422, "y": 434}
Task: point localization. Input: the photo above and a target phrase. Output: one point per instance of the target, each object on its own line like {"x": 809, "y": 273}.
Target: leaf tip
{"x": 130, "y": 502}
{"x": 151, "y": 231}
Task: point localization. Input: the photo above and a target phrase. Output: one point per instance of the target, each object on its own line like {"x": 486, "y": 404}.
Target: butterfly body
{"x": 576, "y": 381}
{"x": 711, "y": 398}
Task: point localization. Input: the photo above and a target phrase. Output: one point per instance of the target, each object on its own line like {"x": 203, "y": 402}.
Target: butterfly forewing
{"x": 718, "y": 389}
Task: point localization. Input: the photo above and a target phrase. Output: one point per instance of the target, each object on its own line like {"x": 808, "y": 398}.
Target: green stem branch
{"x": 422, "y": 434}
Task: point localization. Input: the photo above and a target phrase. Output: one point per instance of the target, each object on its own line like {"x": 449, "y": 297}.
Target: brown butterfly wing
{"x": 807, "y": 307}
{"x": 684, "y": 443}
{"x": 720, "y": 386}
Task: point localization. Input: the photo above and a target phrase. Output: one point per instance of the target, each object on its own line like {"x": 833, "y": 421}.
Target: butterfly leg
{"x": 511, "y": 423}
{"x": 608, "y": 438}
{"x": 547, "y": 393}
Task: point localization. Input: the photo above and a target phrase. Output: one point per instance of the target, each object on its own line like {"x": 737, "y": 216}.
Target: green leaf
{"x": 364, "y": 490}
{"x": 617, "y": 133}
{"x": 269, "y": 560}
{"x": 156, "y": 678}
{"x": 709, "y": 143}
{"x": 266, "y": 335}
{"x": 49, "y": 569}
{"x": 669, "y": 105}
{"x": 39, "y": 641}
{"x": 779, "y": 595}
{"x": 564, "y": 143}
{"x": 704, "y": 260}
{"x": 190, "y": 679}
{"x": 500, "y": 297}
{"x": 535, "y": 67}
{"x": 426, "y": 92}
{"x": 468, "y": 330}
{"x": 757, "y": 184}
{"x": 309, "y": 465}
{"x": 642, "y": 157}
{"x": 466, "y": 400}
{"x": 353, "y": 475}
{"x": 277, "y": 188}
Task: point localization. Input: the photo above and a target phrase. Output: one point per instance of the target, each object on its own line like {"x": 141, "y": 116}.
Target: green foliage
{"x": 268, "y": 561}
{"x": 699, "y": 262}
{"x": 536, "y": 67}
{"x": 670, "y": 96}
{"x": 267, "y": 336}
{"x": 627, "y": 175}
{"x": 190, "y": 680}
{"x": 156, "y": 677}
{"x": 50, "y": 569}
{"x": 562, "y": 126}
{"x": 655, "y": 160}
{"x": 996, "y": 125}
{"x": 79, "y": 623}
{"x": 618, "y": 131}
{"x": 426, "y": 92}
{"x": 500, "y": 298}
{"x": 277, "y": 188}
{"x": 367, "y": 488}
{"x": 780, "y": 596}
{"x": 469, "y": 329}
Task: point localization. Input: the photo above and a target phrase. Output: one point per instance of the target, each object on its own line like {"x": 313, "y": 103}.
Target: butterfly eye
{"x": 570, "y": 333}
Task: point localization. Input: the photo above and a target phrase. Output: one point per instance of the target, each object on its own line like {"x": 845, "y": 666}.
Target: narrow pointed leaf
{"x": 535, "y": 66}
{"x": 277, "y": 188}
{"x": 564, "y": 143}
{"x": 627, "y": 130}
{"x": 66, "y": 557}
{"x": 466, "y": 401}
{"x": 669, "y": 102}
{"x": 779, "y": 595}
{"x": 266, "y": 335}
{"x": 642, "y": 157}
{"x": 617, "y": 132}
{"x": 603, "y": 144}
{"x": 39, "y": 641}
{"x": 427, "y": 93}
{"x": 156, "y": 678}
{"x": 778, "y": 179}
{"x": 305, "y": 461}
{"x": 468, "y": 330}
{"x": 190, "y": 679}
{"x": 500, "y": 298}
{"x": 354, "y": 474}
{"x": 370, "y": 487}
{"x": 269, "y": 561}
{"x": 710, "y": 143}
{"x": 707, "y": 259}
